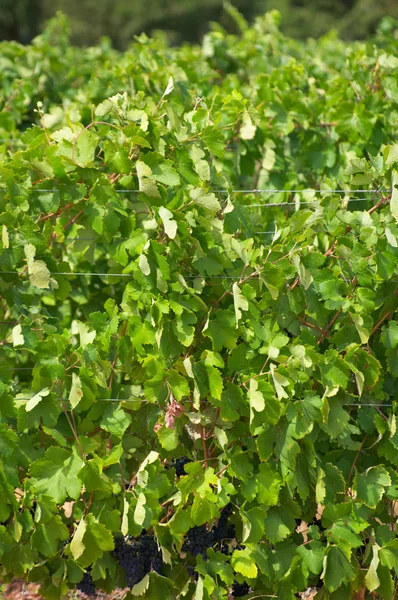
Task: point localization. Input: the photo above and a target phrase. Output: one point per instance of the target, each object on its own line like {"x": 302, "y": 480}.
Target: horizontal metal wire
{"x": 248, "y": 191}
{"x": 97, "y": 399}
{"x": 120, "y": 239}
{"x": 272, "y": 191}
{"x": 198, "y": 276}
{"x": 11, "y": 370}
{"x": 358, "y": 404}
{"x": 274, "y": 204}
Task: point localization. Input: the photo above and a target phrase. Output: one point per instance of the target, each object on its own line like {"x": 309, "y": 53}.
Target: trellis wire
{"x": 247, "y": 191}
{"x": 198, "y": 276}
{"x": 356, "y": 404}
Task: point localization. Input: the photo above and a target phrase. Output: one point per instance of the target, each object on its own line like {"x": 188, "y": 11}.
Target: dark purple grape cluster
{"x": 223, "y": 530}
{"x": 179, "y": 464}
{"x": 199, "y": 538}
{"x": 240, "y": 589}
{"x": 137, "y": 557}
{"x": 86, "y": 585}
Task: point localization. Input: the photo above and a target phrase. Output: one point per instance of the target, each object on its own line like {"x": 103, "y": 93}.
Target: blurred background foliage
{"x": 187, "y": 20}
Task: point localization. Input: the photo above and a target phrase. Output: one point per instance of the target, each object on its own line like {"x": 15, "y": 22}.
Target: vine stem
{"x": 304, "y": 322}
{"x": 73, "y": 431}
{"x": 56, "y": 213}
{"x": 73, "y": 219}
{"x": 380, "y": 322}
{"x": 336, "y": 316}
{"x": 208, "y": 434}
{"x": 354, "y": 462}
{"x": 329, "y": 327}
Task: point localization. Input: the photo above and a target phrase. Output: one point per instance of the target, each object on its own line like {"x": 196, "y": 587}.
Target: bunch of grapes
{"x": 223, "y": 530}
{"x": 240, "y": 589}
{"x": 87, "y": 585}
{"x": 179, "y": 464}
{"x": 199, "y": 538}
{"x": 137, "y": 557}
{"x": 150, "y": 554}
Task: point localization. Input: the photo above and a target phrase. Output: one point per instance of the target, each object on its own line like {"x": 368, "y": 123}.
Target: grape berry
{"x": 240, "y": 589}
{"x": 86, "y": 585}
{"x": 179, "y": 464}
{"x": 137, "y": 557}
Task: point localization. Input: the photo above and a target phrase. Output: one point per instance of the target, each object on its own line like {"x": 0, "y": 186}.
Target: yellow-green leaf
{"x": 34, "y": 401}
{"x": 77, "y": 546}
{"x": 17, "y": 337}
{"x": 76, "y": 392}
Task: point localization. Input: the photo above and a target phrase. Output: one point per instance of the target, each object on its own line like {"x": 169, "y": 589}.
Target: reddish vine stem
{"x": 304, "y": 322}
{"x": 208, "y": 434}
{"x": 380, "y": 322}
{"x": 56, "y": 213}
{"x": 329, "y": 327}
{"x": 354, "y": 462}
{"x": 73, "y": 219}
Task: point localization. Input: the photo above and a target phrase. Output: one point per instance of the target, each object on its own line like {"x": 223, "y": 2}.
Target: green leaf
{"x": 206, "y": 200}
{"x": 146, "y": 185}
{"x": 39, "y": 275}
{"x": 221, "y": 330}
{"x": 55, "y": 474}
{"x": 371, "y": 484}
{"x": 214, "y": 140}
{"x": 201, "y": 166}
{"x": 77, "y": 546}
{"x": 117, "y": 158}
{"x": 144, "y": 265}
{"x": 215, "y": 382}
{"x": 5, "y": 238}
{"x": 86, "y": 336}
{"x": 203, "y": 510}
{"x": 97, "y": 540}
{"x": 389, "y": 336}
{"x": 394, "y": 195}
{"x": 85, "y": 146}
{"x": 247, "y": 130}
{"x": 279, "y": 522}
{"x": 170, "y": 226}
{"x": 36, "y": 399}
{"x": 336, "y": 568}
{"x": 255, "y": 396}
{"x": 115, "y": 420}
{"x": 140, "y": 588}
{"x": 243, "y": 563}
{"x": 269, "y": 483}
{"x": 47, "y": 536}
{"x": 240, "y": 302}
{"x": 17, "y": 337}
{"x": 76, "y": 391}
{"x": 371, "y": 579}
{"x": 139, "y": 511}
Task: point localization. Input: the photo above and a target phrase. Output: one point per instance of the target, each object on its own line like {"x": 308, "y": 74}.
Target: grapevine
{"x": 198, "y": 315}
